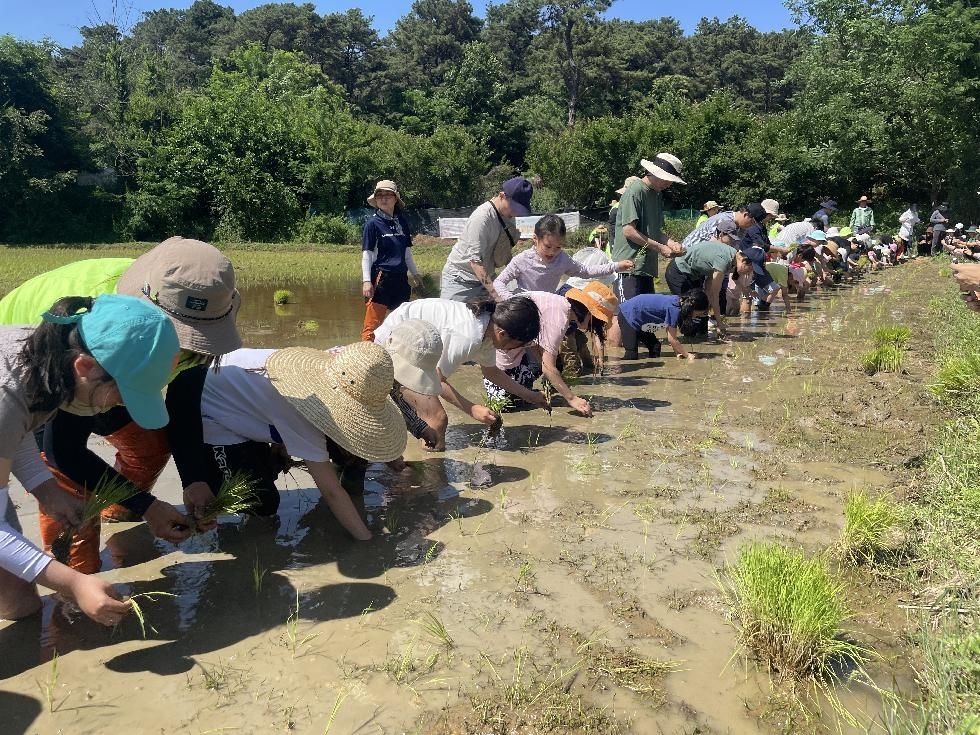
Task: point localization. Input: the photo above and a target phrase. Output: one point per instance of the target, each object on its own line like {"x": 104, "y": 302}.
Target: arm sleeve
{"x": 508, "y": 274}
{"x": 185, "y": 430}
{"x": 409, "y": 262}
{"x": 367, "y": 260}
{"x": 65, "y": 445}
{"x": 27, "y": 466}
{"x": 18, "y": 555}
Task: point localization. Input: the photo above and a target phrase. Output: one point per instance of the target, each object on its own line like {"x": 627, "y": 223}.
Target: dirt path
{"x": 561, "y": 579}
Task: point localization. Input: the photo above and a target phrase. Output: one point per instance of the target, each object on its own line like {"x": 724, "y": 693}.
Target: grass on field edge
{"x": 948, "y": 514}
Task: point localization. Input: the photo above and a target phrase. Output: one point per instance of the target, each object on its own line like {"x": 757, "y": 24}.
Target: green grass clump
{"x": 958, "y": 380}
{"x": 309, "y": 326}
{"x": 871, "y": 527}
{"x": 788, "y": 611}
{"x": 894, "y": 335}
{"x": 884, "y": 358}
{"x": 282, "y": 296}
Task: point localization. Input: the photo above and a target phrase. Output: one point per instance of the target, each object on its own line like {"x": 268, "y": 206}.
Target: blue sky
{"x": 32, "y": 20}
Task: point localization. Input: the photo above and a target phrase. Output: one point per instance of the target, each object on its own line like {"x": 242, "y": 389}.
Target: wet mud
{"x": 559, "y": 577}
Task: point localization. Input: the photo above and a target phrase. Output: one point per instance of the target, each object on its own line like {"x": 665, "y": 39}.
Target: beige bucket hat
{"x": 630, "y": 180}
{"x": 385, "y": 185}
{"x": 666, "y": 166}
{"x": 415, "y": 347}
{"x": 344, "y": 395}
{"x": 194, "y": 283}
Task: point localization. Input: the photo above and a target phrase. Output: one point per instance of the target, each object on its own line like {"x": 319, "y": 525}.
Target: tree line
{"x": 269, "y": 124}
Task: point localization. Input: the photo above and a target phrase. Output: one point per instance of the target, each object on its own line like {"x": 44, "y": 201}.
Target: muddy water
{"x": 505, "y": 571}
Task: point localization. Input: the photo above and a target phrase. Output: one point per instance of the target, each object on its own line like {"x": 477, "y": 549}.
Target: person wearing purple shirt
{"x": 541, "y": 267}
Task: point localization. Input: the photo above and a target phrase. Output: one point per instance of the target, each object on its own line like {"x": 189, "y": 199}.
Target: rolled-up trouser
{"x": 628, "y": 286}
{"x": 141, "y": 455}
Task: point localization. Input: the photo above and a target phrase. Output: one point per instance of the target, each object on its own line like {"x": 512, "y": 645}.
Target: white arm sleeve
{"x": 27, "y": 465}
{"x": 410, "y": 262}
{"x": 18, "y": 555}
{"x": 367, "y": 260}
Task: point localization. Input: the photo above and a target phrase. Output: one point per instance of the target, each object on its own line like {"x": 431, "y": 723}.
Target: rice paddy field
{"x": 776, "y": 538}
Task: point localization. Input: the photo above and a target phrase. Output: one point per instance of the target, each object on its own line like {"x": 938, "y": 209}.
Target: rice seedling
{"x": 293, "y": 637}
{"x": 111, "y": 490}
{"x": 49, "y": 687}
{"x": 335, "y": 710}
{"x": 893, "y": 335}
{"x": 258, "y": 576}
{"x": 282, "y": 296}
{"x": 788, "y": 611}
{"x": 499, "y": 404}
{"x": 871, "y": 525}
{"x": 629, "y": 430}
{"x": 236, "y": 495}
{"x": 309, "y": 326}
{"x": 884, "y": 358}
{"x": 138, "y": 607}
{"x": 432, "y": 625}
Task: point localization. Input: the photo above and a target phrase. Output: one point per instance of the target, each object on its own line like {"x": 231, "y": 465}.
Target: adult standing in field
{"x": 488, "y": 238}
{"x": 710, "y": 209}
{"x": 87, "y": 354}
{"x": 938, "y": 220}
{"x": 863, "y": 216}
{"x": 194, "y": 285}
{"x": 639, "y": 230}
{"x": 821, "y": 218}
{"x": 386, "y": 257}
{"x": 907, "y": 222}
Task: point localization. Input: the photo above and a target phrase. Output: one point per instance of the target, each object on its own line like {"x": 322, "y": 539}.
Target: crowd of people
{"x": 130, "y": 350}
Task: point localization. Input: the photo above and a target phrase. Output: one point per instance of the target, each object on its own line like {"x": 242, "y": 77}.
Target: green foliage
{"x": 788, "y": 610}
{"x": 871, "y": 527}
{"x": 893, "y": 335}
{"x": 282, "y": 296}
{"x": 884, "y": 358}
{"x": 328, "y": 230}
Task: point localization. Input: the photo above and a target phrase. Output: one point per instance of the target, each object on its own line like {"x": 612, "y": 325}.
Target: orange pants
{"x": 141, "y": 455}
{"x": 374, "y": 314}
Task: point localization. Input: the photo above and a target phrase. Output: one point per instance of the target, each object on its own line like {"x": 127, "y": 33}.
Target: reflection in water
{"x": 336, "y": 307}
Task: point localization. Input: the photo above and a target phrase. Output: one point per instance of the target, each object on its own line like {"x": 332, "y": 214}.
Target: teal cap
{"x": 135, "y": 343}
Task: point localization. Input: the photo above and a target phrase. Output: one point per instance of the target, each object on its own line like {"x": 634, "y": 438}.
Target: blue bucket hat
{"x": 135, "y": 343}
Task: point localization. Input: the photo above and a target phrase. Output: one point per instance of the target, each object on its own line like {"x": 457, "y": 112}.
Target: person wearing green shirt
{"x": 863, "y": 217}
{"x": 710, "y": 209}
{"x": 639, "y": 230}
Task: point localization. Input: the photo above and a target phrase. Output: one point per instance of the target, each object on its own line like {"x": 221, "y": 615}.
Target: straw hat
{"x": 709, "y": 205}
{"x": 195, "y": 285}
{"x": 666, "y": 167}
{"x": 385, "y": 185}
{"x": 864, "y": 199}
{"x": 630, "y": 180}
{"x": 415, "y": 347}
{"x": 598, "y": 299}
{"x": 344, "y": 395}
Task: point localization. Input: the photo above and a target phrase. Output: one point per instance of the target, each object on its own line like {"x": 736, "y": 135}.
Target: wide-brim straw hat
{"x": 598, "y": 299}
{"x": 344, "y": 395}
{"x": 864, "y": 199}
{"x": 385, "y": 185}
{"x": 194, "y": 283}
{"x": 666, "y": 166}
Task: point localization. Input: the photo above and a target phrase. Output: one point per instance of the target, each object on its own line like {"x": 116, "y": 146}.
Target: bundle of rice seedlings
{"x": 111, "y": 490}
{"x": 282, "y": 296}
{"x": 893, "y": 335}
{"x": 236, "y": 495}
{"x": 871, "y": 527}
{"x": 788, "y": 612}
{"x": 883, "y": 358}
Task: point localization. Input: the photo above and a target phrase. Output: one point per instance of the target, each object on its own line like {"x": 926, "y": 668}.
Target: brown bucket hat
{"x": 194, "y": 283}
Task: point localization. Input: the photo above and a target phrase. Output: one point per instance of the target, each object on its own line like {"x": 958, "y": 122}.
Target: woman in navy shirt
{"x": 386, "y": 258}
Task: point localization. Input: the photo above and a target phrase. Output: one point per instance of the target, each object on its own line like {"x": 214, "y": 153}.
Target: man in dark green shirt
{"x": 639, "y": 231}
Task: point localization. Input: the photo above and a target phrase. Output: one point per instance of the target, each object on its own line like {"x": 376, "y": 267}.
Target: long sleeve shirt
{"x": 533, "y": 274}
